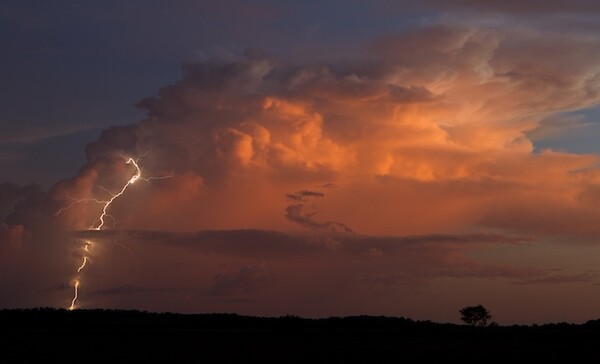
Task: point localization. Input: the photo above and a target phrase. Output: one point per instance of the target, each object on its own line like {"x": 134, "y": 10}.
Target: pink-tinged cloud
{"x": 447, "y": 119}
{"x": 433, "y": 131}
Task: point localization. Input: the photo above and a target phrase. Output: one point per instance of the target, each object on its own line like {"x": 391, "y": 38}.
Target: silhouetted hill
{"x": 73, "y": 336}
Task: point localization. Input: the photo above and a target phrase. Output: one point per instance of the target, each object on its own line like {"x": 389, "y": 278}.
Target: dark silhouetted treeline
{"x": 68, "y": 336}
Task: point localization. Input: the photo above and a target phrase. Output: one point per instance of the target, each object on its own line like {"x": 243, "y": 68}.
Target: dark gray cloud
{"x": 264, "y": 243}
{"x": 245, "y": 280}
{"x": 297, "y": 212}
{"x": 131, "y": 289}
{"x": 243, "y": 243}
{"x": 303, "y": 195}
{"x": 255, "y": 264}
{"x": 210, "y": 269}
{"x": 11, "y": 193}
{"x": 585, "y": 277}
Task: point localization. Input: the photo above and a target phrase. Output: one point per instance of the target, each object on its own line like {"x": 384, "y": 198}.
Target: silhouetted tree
{"x": 475, "y": 315}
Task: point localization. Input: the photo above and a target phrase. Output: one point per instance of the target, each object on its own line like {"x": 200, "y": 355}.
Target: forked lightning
{"x": 99, "y": 223}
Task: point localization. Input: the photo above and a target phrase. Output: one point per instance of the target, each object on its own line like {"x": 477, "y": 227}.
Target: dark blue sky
{"x": 70, "y": 68}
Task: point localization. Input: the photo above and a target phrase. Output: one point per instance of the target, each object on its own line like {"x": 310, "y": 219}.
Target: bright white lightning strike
{"x": 101, "y": 220}
{"x": 86, "y": 249}
{"x": 85, "y": 259}
{"x": 74, "y": 300}
{"x": 132, "y": 180}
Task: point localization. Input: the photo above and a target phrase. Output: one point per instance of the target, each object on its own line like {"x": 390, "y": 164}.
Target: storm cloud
{"x": 429, "y": 140}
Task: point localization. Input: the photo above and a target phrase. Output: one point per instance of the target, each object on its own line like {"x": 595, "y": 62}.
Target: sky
{"x": 402, "y": 158}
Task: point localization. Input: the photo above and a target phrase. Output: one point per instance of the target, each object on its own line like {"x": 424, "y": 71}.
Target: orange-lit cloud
{"x": 433, "y": 132}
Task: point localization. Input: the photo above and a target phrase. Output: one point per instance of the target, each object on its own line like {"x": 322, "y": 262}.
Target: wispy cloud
{"x": 585, "y": 277}
{"x": 556, "y": 126}
{"x": 36, "y": 134}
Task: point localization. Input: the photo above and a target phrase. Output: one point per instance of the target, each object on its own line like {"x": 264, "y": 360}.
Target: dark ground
{"x": 49, "y": 335}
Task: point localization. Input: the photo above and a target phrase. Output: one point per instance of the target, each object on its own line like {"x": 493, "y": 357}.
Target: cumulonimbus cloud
{"x": 444, "y": 110}
{"x": 432, "y": 131}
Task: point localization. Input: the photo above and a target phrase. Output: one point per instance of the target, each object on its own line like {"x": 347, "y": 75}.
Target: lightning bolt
{"x": 74, "y": 300}
{"x": 77, "y": 282}
{"x": 85, "y": 259}
{"x": 100, "y": 223}
{"x": 136, "y": 176}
